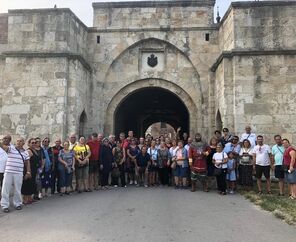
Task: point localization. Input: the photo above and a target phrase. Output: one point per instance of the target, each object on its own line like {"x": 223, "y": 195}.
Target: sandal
{"x": 260, "y": 193}
{"x": 269, "y": 192}
{"x": 292, "y": 198}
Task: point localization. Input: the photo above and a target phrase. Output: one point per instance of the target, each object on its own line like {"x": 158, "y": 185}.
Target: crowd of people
{"x": 41, "y": 170}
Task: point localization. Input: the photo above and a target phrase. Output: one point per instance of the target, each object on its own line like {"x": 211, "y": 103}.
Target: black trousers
{"x": 55, "y": 179}
{"x": 104, "y": 175}
{"x": 163, "y": 174}
{"x": 221, "y": 181}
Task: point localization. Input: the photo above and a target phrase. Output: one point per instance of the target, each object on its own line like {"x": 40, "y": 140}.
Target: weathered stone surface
{"x": 59, "y": 77}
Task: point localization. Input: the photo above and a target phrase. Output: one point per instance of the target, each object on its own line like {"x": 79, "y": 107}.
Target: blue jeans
{"x": 65, "y": 177}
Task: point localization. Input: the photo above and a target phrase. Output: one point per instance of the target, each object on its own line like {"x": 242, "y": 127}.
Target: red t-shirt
{"x": 94, "y": 149}
{"x": 287, "y": 157}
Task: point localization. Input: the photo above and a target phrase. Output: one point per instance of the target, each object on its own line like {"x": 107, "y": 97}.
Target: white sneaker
{"x": 125, "y": 186}
{"x": 115, "y": 186}
{"x": 131, "y": 183}
{"x": 231, "y": 192}
{"x": 136, "y": 183}
{"x": 146, "y": 185}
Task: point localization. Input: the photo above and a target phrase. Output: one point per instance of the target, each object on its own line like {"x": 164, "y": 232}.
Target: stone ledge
{"x": 48, "y": 10}
{"x": 164, "y": 29}
{"x": 68, "y": 55}
{"x": 252, "y": 4}
{"x": 152, "y": 4}
{"x": 252, "y": 52}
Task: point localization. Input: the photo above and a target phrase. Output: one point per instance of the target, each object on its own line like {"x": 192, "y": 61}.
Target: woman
{"x": 105, "y": 162}
{"x": 29, "y": 185}
{"x": 46, "y": 176}
{"x": 290, "y": 167}
{"x": 132, "y": 152}
{"x": 163, "y": 163}
{"x": 226, "y": 137}
{"x": 143, "y": 160}
{"x": 82, "y": 154}
{"x": 66, "y": 168}
{"x": 245, "y": 168}
{"x": 220, "y": 163}
{"x": 152, "y": 169}
{"x": 210, "y": 165}
{"x": 118, "y": 170}
{"x": 41, "y": 163}
{"x": 181, "y": 166}
{"x": 172, "y": 151}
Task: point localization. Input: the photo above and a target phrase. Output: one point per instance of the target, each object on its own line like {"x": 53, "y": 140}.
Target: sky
{"x": 82, "y": 8}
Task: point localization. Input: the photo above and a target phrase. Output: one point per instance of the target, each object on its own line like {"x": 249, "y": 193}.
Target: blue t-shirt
{"x": 142, "y": 160}
{"x": 278, "y": 153}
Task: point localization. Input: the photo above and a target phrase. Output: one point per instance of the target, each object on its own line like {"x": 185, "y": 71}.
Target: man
{"x": 198, "y": 152}
{"x": 73, "y": 141}
{"x": 3, "y": 158}
{"x": 277, "y": 152}
{"x": 226, "y": 137}
{"x": 249, "y": 136}
{"x": 18, "y": 157}
{"x": 233, "y": 146}
{"x": 112, "y": 141}
{"x": 55, "y": 175}
{"x": 189, "y": 143}
{"x": 261, "y": 163}
{"x": 218, "y": 135}
{"x": 94, "y": 145}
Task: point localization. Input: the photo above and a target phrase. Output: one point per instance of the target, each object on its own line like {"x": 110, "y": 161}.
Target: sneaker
{"x": 231, "y": 192}
{"x": 131, "y": 182}
{"x": 136, "y": 183}
{"x": 18, "y": 208}
{"x": 5, "y": 210}
{"x": 125, "y": 186}
{"x": 146, "y": 186}
{"x": 115, "y": 186}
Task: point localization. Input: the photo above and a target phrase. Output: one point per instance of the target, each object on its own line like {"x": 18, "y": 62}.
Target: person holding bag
{"x": 220, "y": 163}
{"x": 82, "y": 154}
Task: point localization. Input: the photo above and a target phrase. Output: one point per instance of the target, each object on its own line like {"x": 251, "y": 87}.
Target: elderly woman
{"x": 82, "y": 154}
{"x": 106, "y": 162}
{"x": 246, "y": 165}
{"x": 132, "y": 152}
{"x": 46, "y": 176}
{"x": 66, "y": 168}
{"x": 152, "y": 169}
{"x": 163, "y": 161}
{"x": 220, "y": 163}
{"x": 290, "y": 166}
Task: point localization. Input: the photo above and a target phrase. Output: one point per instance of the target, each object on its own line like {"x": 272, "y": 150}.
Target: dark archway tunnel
{"x": 149, "y": 105}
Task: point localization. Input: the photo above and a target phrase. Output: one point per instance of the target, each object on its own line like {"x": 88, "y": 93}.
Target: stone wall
{"x": 265, "y": 25}
{"x": 33, "y": 96}
{"x": 46, "y": 30}
{"x": 265, "y": 88}
{"x": 3, "y": 32}
{"x": 153, "y": 14}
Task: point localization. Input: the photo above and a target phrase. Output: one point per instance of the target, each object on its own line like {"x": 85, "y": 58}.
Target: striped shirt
{"x": 15, "y": 162}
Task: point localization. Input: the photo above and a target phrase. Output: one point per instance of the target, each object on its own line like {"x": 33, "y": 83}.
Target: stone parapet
{"x": 153, "y": 14}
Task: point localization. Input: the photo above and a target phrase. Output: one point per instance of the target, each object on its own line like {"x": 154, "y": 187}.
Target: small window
{"x": 98, "y": 39}
{"x": 207, "y": 37}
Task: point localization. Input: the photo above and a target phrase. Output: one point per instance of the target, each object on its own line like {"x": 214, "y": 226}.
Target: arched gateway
{"x": 144, "y": 102}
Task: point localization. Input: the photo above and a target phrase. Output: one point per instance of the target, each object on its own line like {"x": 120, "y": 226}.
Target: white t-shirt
{"x": 262, "y": 155}
{"x": 251, "y": 137}
{"x": 15, "y": 161}
{"x": 173, "y": 151}
{"x": 3, "y": 159}
{"x": 218, "y": 157}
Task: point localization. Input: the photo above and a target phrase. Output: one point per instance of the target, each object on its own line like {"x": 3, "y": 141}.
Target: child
{"x": 231, "y": 176}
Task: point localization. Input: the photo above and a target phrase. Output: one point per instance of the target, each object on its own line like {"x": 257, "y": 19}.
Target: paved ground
{"x": 139, "y": 214}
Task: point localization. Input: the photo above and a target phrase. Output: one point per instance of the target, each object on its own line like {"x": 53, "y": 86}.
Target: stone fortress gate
{"x": 147, "y": 62}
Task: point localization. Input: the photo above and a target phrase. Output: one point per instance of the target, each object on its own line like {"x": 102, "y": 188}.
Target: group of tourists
{"x": 42, "y": 170}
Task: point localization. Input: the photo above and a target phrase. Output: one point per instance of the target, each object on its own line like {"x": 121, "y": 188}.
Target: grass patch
{"x": 282, "y": 207}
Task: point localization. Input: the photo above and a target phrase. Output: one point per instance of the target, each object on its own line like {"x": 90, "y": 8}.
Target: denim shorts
{"x": 181, "y": 171}
{"x": 291, "y": 177}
